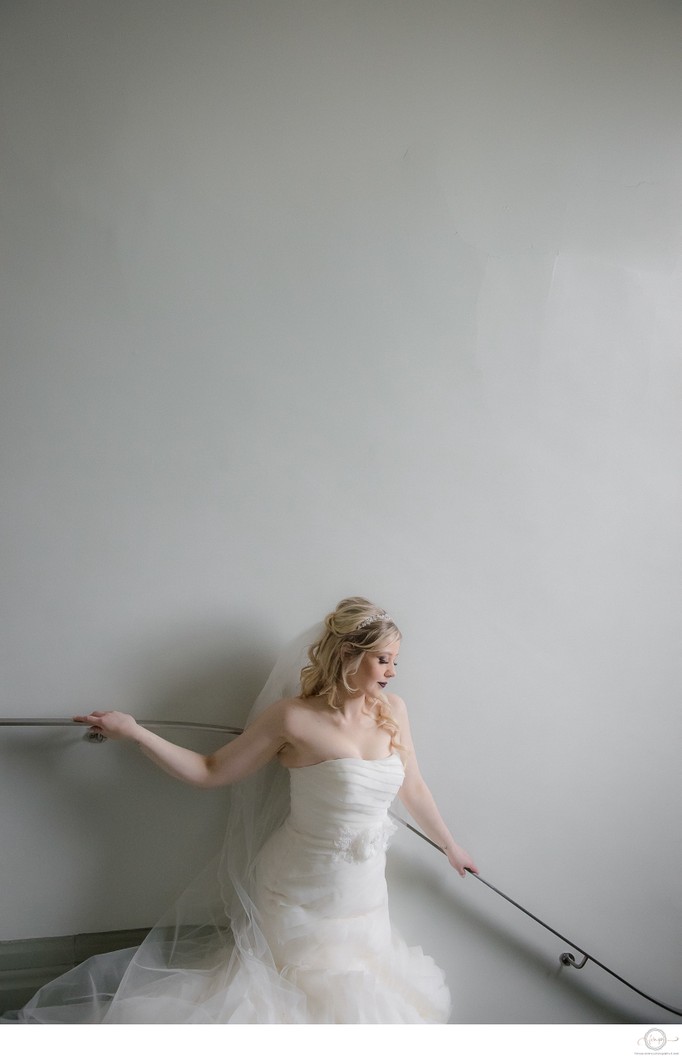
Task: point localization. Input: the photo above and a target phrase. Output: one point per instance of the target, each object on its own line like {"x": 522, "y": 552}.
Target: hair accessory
{"x": 381, "y": 616}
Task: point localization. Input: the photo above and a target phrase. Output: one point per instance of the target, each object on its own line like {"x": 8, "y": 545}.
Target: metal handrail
{"x": 566, "y": 958}
{"x": 96, "y": 736}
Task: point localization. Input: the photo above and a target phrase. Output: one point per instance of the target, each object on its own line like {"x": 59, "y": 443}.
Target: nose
{"x": 390, "y": 671}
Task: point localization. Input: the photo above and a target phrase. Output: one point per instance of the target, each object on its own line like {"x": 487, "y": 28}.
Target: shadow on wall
{"x": 90, "y": 819}
{"x": 203, "y": 673}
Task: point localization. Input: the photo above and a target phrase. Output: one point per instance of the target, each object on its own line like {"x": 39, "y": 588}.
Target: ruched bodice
{"x": 344, "y": 802}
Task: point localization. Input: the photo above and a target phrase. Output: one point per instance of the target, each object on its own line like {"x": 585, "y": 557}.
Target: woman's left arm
{"x": 418, "y": 799}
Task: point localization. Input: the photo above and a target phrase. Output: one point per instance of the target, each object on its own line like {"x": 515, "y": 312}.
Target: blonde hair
{"x": 352, "y": 630}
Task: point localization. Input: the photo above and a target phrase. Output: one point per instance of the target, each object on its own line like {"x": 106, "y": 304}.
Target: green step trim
{"x": 27, "y": 965}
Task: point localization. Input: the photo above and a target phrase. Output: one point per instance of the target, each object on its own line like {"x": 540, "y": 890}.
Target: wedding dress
{"x": 290, "y": 924}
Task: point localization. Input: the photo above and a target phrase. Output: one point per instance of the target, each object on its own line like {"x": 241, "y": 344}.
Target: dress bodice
{"x": 344, "y": 803}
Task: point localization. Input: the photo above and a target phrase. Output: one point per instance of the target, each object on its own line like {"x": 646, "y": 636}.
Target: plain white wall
{"x": 304, "y": 299}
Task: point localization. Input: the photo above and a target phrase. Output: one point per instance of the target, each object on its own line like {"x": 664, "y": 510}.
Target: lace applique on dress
{"x": 357, "y": 845}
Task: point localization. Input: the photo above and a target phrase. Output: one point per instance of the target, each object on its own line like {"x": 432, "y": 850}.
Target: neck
{"x": 353, "y": 707}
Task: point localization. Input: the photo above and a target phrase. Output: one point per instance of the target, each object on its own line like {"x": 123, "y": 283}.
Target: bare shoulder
{"x": 274, "y": 715}
{"x": 282, "y": 722}
{"x": 399, "y": 711}
{"x": 398, "y": 707}
{"x": 297, "y": 712}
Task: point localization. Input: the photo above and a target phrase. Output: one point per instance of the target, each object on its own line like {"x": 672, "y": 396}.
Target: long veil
{"x": 207, "y": 959}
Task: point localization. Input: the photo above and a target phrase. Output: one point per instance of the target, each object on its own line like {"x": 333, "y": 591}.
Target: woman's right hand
{"x": 111, "y": 724}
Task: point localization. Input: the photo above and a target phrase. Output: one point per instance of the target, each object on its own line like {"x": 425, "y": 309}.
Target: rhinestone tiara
{"x": 381, "y": 616}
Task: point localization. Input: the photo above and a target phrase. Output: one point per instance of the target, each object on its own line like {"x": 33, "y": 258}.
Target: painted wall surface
{"x": 304, "y": 300}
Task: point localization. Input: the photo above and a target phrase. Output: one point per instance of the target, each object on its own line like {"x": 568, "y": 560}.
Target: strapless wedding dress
{"x": 321, "y": 889}
{"x": 332, "y": 955}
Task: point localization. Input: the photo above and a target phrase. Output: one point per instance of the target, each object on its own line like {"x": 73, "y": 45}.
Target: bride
{"x": 290, "y": 923}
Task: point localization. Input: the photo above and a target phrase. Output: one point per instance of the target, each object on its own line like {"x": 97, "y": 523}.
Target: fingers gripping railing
{"x": 566, "y": 958}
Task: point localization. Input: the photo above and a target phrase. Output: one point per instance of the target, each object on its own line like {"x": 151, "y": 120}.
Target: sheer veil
{"x": 207, "y": 959}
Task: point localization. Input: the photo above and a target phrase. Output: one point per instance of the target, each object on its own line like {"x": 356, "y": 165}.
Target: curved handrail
{"x": 566, "y": 958}
{"x": 95, "y": 736}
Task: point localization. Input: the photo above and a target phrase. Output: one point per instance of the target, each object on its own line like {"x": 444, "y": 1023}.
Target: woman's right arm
{"x": 260, "y": 742}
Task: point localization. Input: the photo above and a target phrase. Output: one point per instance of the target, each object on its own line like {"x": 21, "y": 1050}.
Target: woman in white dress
{"x": 290, "y": 923}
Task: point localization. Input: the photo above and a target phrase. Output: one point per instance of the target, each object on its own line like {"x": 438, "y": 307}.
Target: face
{"x": 376, "y": 669}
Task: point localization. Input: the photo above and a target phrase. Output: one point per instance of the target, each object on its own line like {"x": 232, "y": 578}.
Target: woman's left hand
{"x": 460, "y": 859}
